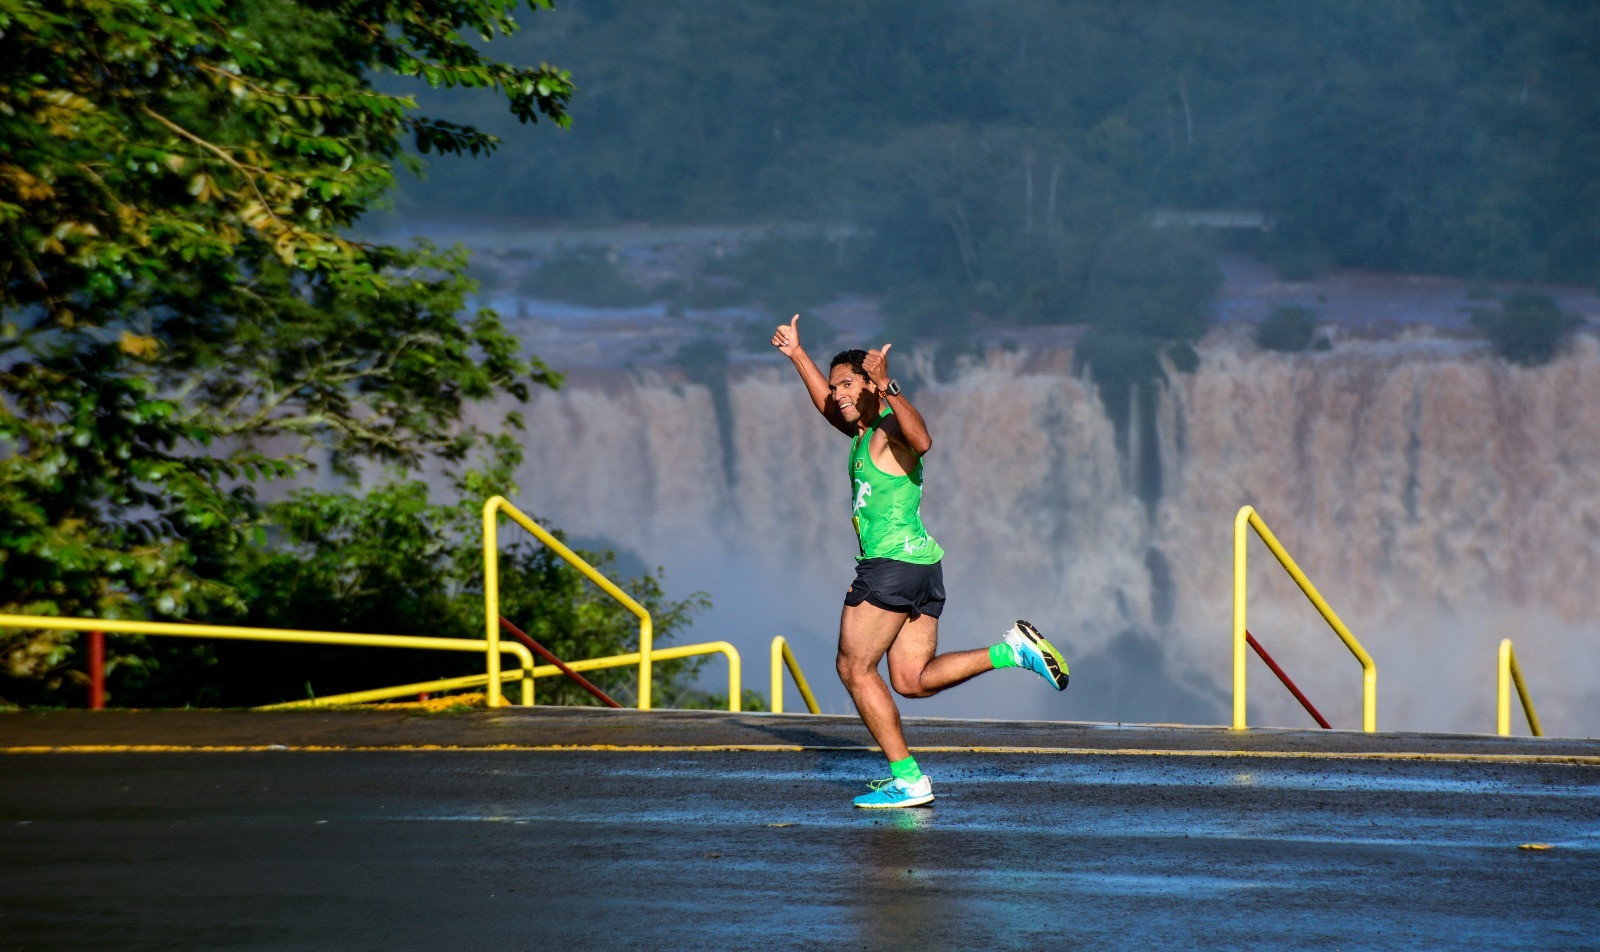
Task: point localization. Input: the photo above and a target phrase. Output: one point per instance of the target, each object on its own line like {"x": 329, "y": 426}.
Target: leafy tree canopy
{"x": 999, "y": 154}
{"x": 392, "y": 559}
{"x": 387, "y": 560}
{"x": 181, "y": 311}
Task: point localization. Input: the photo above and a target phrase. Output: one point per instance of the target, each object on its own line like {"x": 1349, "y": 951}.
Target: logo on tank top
{"x": 858, "y": 466}
{"x": 863, "y": 490}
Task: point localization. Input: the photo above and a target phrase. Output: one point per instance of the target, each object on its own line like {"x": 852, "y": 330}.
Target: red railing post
{"x": 97, "y": 670}
{"x": 542, "y": 652}
{"x": 1304, "y": 701}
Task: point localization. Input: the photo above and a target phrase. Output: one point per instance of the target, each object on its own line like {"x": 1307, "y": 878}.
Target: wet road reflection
{"x": 738, "y": 849}
{"x": 897, "y": 896}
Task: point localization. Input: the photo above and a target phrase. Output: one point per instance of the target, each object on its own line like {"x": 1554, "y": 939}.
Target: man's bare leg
{"x": 916, "y": 670}
{"x": 866, "y": 633}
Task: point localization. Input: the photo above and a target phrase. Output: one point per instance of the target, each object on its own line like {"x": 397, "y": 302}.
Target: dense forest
{"x": 1012, "y": 156}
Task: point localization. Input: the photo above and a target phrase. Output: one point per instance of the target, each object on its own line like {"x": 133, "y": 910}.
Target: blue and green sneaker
{"x": 1038, "y": 655}
{"x": 897, "y": 793}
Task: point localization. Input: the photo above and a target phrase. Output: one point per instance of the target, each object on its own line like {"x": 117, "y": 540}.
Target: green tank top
{"x": 887, "y": 510}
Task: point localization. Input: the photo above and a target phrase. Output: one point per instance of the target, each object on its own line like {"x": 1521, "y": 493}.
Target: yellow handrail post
{"x": 1511, "y": 672}
{"x": 800, "y": 680}
{"x": 735, "y": 680}
{"x": 527, "y": 680}
{"x": 491, "y": 588}
{"x": 1503, "y": 690}
{"x": 775, "y": 693}
{"x": 491, "y": 601}
{"x": 1240, "y": 577}
{"x": 781, "y": 655}
{"x": 1369, "y": 669}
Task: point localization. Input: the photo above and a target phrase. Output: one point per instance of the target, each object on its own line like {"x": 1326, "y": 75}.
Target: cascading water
{"x": 1439, "y": 498}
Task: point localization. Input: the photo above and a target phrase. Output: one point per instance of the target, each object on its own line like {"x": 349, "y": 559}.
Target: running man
{"x": 894, "y": 604}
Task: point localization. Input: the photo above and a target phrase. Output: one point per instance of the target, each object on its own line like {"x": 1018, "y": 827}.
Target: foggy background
{"x": 1141, "y": 264}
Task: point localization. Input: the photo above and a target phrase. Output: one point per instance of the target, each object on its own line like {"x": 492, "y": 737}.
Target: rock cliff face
{"x": 1438, "y": 498}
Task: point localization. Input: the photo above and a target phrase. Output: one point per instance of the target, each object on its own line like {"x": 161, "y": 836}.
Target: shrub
{"x": 1529, "y": 328}
{"x": 1288, "y": 328}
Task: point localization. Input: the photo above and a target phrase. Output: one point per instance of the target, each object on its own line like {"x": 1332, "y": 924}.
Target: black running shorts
{"x": 896, "y": 586}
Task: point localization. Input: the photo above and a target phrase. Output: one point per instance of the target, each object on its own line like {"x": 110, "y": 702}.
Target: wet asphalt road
{"x": 480, "y": 832}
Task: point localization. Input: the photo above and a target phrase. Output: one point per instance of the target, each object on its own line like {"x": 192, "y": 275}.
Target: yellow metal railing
{"x": 644, "y": 657}
{"x": 735, "y": 675}
{"x": 238, "y": 633}
{"x": 1510, "y": 672}
{"x": 406, "y": 690}
{"x": 781, "y": 655}
{"x": 491, "y": 594}
{"x": 528, "y": 673}
{"x": 1248, "y": 517}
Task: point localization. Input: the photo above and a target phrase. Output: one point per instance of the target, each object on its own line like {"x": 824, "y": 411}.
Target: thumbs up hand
{"x": 787, "y": 337}
{"x": 877, "y": 366}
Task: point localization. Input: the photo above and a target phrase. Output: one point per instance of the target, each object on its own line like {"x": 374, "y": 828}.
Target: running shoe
{"x": 898, "y": 793}
{"x": 1038, "y": 655}
{"x": 880, "y": 783}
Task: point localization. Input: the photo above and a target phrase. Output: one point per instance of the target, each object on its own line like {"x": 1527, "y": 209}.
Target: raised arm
{"x": 787, "y": 339}
{"x": 906, "y": 429}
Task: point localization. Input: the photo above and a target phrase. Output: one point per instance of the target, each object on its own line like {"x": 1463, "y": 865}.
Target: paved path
{"x": 562, "y": 828}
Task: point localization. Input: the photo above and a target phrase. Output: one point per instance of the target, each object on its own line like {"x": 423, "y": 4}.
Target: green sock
{"x": 906, "y": 770}
{"x": 1003, "y": 655}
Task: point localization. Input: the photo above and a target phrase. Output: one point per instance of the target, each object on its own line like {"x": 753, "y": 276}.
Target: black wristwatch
{"x": 893, "y": 390}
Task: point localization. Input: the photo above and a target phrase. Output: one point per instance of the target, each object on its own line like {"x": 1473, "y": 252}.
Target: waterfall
{"x": 1439, "y": 498}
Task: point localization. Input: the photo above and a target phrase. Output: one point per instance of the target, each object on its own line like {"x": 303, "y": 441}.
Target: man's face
{"x": 851, "y": 393}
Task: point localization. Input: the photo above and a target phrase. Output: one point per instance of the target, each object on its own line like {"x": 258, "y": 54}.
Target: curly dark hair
{"x": 855, "y": 358}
